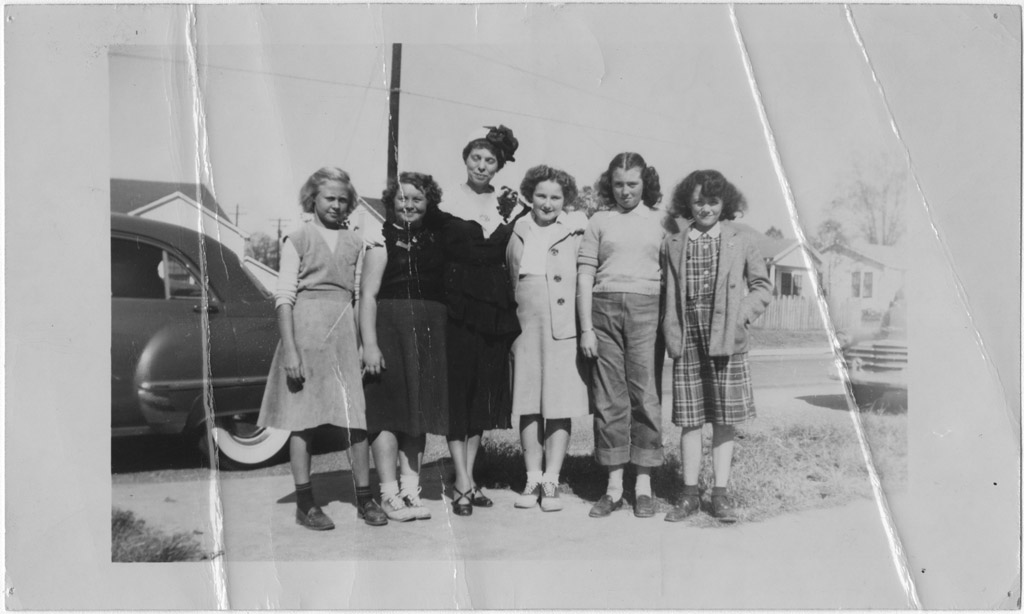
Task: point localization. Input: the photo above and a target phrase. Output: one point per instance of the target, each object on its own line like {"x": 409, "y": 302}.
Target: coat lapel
{"x": 726, "y": 254}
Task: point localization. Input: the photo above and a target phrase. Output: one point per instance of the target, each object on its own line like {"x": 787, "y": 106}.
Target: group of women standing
{"x": 483, "y": 305}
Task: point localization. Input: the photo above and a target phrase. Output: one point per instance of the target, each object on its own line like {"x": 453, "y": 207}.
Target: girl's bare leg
{"x": 722, "y": 444}
{"x": 691, "y": 451}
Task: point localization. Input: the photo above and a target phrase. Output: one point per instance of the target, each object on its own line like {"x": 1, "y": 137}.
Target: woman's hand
{"x": 588, "y": 344}
{"x": 373, "y": 360}
{"x": 293, "y": 364}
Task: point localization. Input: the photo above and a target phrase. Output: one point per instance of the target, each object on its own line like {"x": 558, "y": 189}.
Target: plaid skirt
{"x": 714, "y": 389}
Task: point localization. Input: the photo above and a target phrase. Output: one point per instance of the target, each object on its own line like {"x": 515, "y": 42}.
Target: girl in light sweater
{"x": 619, "y": 291}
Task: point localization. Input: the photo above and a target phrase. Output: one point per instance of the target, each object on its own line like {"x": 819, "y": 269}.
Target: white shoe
{"x": 413, "y": 502}
{"x": 396, "y": 509}
{"x": 530, "y": 496}
{"x": 550, "y": 502}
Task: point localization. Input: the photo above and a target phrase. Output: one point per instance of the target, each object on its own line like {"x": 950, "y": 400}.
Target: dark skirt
{"x": 411, "y": 395}
{"x": 479, "y": 381}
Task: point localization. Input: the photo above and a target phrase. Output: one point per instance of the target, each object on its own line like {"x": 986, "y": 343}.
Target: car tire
{"x": 242, "y": 445}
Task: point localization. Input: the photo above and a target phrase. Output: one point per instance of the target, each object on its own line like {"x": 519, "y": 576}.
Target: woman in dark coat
{"x": 482, "y": 319}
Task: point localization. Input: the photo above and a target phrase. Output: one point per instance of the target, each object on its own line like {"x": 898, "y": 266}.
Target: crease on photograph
{"x": 888, "y": 522}
{"x": 204, "y": 173}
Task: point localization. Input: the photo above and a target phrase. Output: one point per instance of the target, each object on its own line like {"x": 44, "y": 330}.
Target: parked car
{"x": 877, "y": 367}
{"x": 185, "y": 361}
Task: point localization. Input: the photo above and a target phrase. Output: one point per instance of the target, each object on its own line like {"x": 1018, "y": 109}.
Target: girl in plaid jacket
{"x": 716, "y": 284}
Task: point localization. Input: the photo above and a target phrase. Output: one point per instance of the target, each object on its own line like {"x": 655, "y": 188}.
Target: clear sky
{"x": 286, "y": 90}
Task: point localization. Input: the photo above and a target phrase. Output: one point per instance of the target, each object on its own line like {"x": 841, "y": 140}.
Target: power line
{"x": 556, "y": 81}
{"x": 250, "y": 71}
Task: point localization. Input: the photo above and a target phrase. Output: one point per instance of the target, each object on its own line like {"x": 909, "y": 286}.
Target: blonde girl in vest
{"x": 315, "y": 377}
{"x": 716, "y": 284}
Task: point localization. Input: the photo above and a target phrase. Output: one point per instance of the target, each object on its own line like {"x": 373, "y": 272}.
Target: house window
{"x": 790, "y": 284}
{"x": 862, "y": 284}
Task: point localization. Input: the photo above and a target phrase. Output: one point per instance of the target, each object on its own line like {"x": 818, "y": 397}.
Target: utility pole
{"x": 396, "y": 85}
{"x": 277, "y": 263}
{"x": 236, "y": 214}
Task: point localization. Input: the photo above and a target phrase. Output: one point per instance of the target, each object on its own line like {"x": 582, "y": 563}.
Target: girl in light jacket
{"x": 548, "y": 384}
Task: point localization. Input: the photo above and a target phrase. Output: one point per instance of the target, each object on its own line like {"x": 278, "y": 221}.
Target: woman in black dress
{"x": 482, "y": 320}
{"x": 402, "y": 320}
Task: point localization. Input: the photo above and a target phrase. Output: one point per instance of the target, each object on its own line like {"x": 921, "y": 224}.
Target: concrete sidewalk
{"x": 509, "y": 558}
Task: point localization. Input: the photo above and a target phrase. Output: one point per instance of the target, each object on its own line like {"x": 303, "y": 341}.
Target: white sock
{"x": 533, "y": 476}
{"x": 550, "y": 478}
{"x": 643, "y": 484}
{"x": 410, "y": 484}
{"x": 615, "y": 485}
{"x": 388, "y": 490}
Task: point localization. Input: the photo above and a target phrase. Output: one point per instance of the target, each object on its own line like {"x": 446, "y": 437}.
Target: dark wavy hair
{"x": 542, "y": 173}
{"x": 627, "y": 160}
{"x": 712, "y": 185}
{"x": 424, "y": 183}
{"x": 499, "y": 141}
{"x": 309, "y": 190}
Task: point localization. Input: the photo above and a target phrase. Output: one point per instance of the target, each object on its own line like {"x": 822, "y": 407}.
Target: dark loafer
{"x": 462, "y": 505}
{"x": 687, "y": 507}
{"x": 604, "y": 507}
{"x": 372, "y": 514}
{"x": 479, "y": 499}
{"x": 315, "y": 519}
{"x": 644, "y": 507}
{"x": 723, "y": 509}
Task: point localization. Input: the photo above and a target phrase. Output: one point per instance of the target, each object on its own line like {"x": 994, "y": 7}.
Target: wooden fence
{"x": 803, "y": 313}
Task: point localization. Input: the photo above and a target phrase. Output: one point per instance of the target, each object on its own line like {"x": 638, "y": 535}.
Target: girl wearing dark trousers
{"x": 619, "y": 291}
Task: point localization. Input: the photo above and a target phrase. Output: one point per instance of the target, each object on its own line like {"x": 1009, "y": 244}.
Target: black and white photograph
{"x": 513, "y": 306}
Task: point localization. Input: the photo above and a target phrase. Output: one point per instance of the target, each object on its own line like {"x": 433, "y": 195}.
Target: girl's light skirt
{"x": 548, "y": 373}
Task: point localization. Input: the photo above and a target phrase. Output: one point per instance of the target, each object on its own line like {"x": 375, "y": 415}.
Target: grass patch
{"x": 779, "y": 466}
{"x": 770, "y": 338}
{"x": 134, "y": 542}
{"x": 887, "y": 438}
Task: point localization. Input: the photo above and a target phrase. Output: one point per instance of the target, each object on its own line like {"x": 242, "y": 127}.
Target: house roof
{"x": 774, "y": 250}
{"x": 885, "y": 255}
{"x": 127, "y": 195}
{"x": 376, "y": 205}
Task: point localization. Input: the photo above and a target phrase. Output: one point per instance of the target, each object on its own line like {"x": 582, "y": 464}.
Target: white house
{"x": 864, "y": 275}
{"x": 791, "y": 266}
{"x": 183, "y": 204}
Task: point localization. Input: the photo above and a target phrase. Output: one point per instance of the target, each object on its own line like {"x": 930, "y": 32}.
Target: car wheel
{"x": 243, "y": 445}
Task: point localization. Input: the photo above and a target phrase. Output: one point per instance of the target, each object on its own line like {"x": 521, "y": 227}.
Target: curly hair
{"x": 499, "y": 141}
{"x": 627, "y": 160}
{"x": 712, "y": 185}
{"x": 309, "y": 190}
{"x": 543, "y": 172}
{"x": 422, "y": 182}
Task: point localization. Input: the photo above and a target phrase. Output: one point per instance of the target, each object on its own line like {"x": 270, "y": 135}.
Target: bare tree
{"x": 586, "y": 201}
{"x": 263, "y": 248}
{"x": 871, "y": 204}
{"x": 829, "y": 233}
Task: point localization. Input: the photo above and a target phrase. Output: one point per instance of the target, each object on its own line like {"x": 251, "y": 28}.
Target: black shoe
{"x": 479, "y": 499}
{"x": 604, "y": 507}
{"x": 462, "y": 505}
{"x": 372, "y": 514}
{"x": 315, "y": 519}
{"x": 723, "y": 508}
{"x": 644, "y": 507}
{"x": 687, "y": 507}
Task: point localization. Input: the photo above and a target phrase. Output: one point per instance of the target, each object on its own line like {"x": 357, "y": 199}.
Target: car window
{"x": 141, "y": 270}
